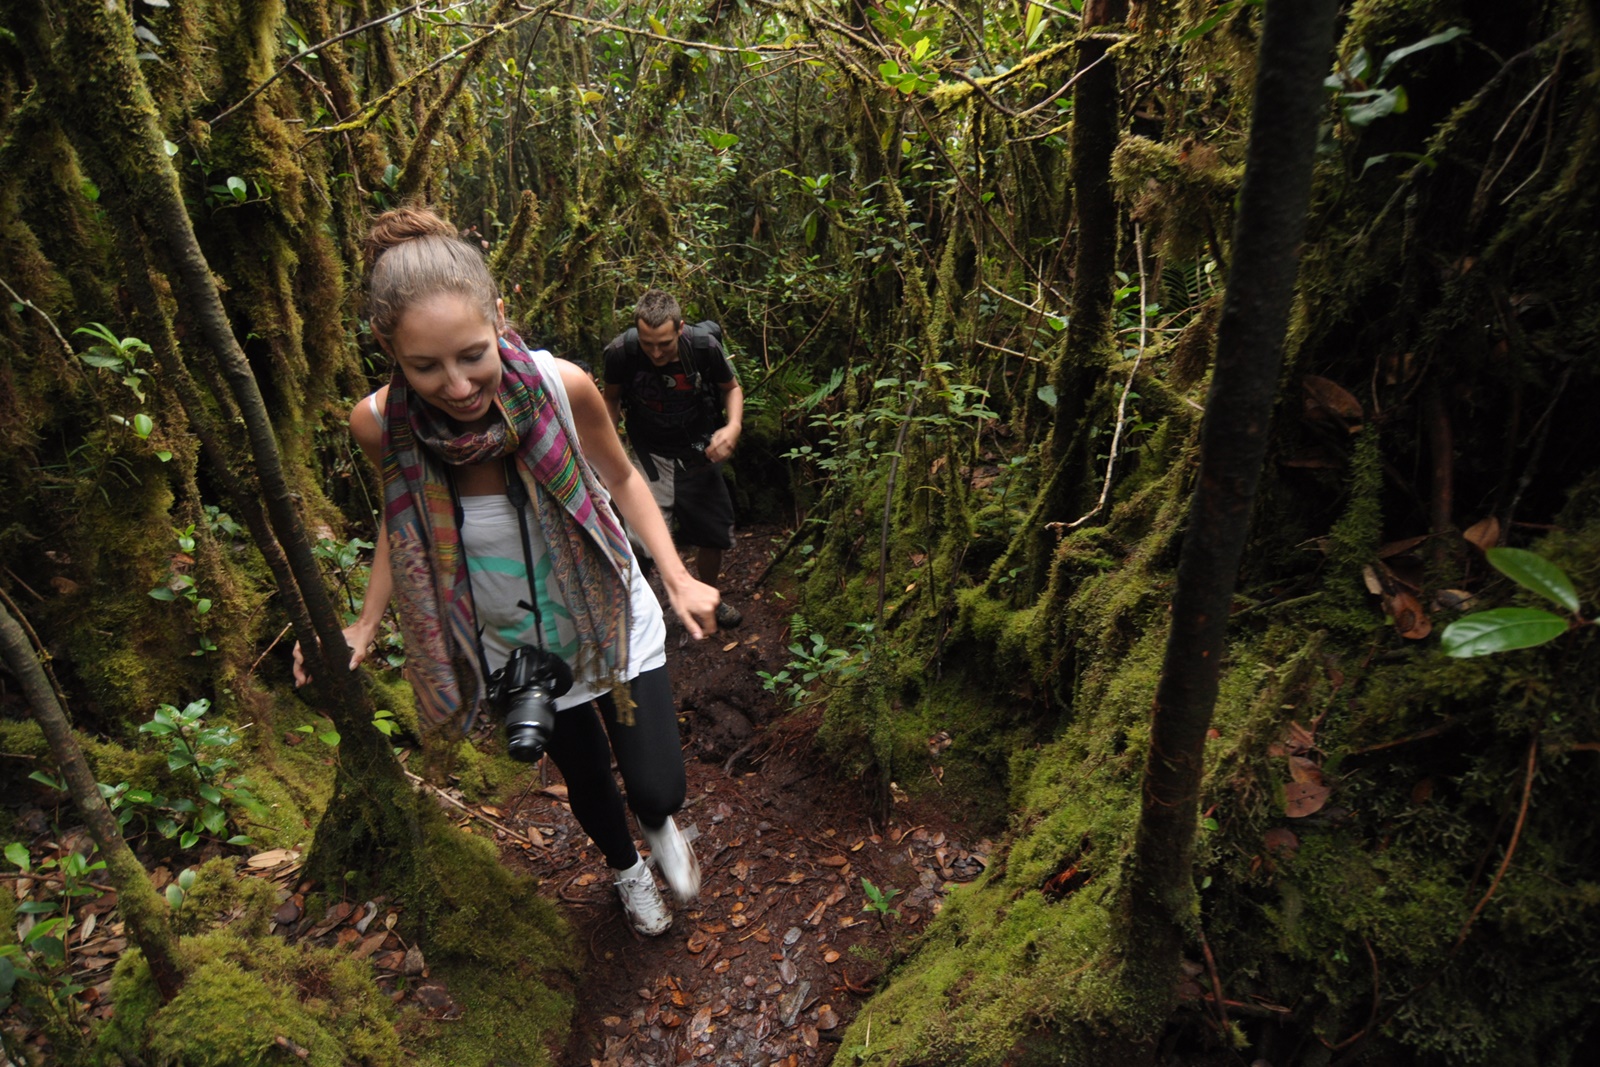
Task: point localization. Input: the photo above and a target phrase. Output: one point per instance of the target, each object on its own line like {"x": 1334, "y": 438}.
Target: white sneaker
{"x": 642, "y": 900}
{"x": 672, "y": 854}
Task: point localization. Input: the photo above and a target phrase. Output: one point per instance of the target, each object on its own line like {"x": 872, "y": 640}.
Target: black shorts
{"x": 697, "y": 497}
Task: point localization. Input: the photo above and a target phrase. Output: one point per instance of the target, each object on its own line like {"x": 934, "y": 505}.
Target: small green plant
{"x": 41, "y": 953}
{"x": 821, "y": 660}
{"x": 1359, "y": 81}
{"x": 1504, "y": 629}
{"x": 878, "y": 901}
{"x": 180, "y": 585}
{"x": 120, "y": 356}
{"x": 195, "y": 754}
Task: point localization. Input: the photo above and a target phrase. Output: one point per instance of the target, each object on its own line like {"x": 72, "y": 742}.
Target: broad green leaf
{"x": 237, "y": 187}
{"x": 1047, "y": 395}
{"x": 174, "y": 896}
{"x": 214, "y": 819}
{"x": 1385, "y": 102}
{"x": 36, "y": 907}
{"x": 1210, "y": 23}
{"x": 1536, "y": 574}
{"x": 1427, "y": 42}
{"x": 329, "y": 738}
{"x": 96, "y": 358}
{"x": 1500, "y": 630}
{"x": 143, "y": 425}
{"x": 1031, "y": 26}
{"x": 44, "y": 779}
{"x": 17, "y": 853}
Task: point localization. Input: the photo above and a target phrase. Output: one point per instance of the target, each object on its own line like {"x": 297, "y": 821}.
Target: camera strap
{"x": 517, "y": 493}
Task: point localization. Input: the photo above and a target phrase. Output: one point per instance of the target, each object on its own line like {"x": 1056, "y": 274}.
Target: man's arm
{"x": 613, "y": 396}
{"x": 724, "y": 440}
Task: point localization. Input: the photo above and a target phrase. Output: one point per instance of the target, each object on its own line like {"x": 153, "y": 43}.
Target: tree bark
{"x": 1289, "y": 101}
{"x": 142, "y": 907}
{"x": 414, "y": 172}
{"x": 374, "y": 813}
{"x": 1096, "y": 117}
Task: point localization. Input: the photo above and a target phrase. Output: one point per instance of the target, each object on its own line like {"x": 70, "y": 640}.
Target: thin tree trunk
{"x": 1096, "y": 117}
{"x": 142, "y": 907}
{"x": 1289, "y": 102}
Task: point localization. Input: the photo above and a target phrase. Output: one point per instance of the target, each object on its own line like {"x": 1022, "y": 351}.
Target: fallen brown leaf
{"x": 1484, "y": 534}
{"x": 1304, "y": 798}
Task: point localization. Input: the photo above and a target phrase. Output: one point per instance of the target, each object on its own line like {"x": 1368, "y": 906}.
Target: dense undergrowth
{"x": 880, "y": 217}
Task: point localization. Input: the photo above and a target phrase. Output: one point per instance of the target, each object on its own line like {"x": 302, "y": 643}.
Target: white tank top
{"x": 491, "y": 538}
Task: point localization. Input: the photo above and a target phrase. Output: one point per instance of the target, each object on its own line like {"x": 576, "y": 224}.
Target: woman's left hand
{"x": 696, "y": 605}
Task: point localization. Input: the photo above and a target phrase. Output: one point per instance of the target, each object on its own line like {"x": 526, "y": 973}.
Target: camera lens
{"x": 530, "y": 722}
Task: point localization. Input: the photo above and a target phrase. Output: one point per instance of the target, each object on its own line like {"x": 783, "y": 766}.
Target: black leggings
{"x": 649, "y": 754}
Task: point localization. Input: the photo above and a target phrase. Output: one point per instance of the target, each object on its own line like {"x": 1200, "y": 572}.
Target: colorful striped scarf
{"x": 589, "y": 553}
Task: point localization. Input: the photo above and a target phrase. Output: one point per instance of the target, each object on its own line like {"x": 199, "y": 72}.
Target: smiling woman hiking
{"x": 516, "y": 588}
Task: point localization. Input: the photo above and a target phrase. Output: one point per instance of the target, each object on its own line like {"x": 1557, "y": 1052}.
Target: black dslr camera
{"x": 524, "y": 693}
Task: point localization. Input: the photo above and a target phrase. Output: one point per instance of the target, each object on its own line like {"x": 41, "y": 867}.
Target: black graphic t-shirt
{"x": 664, "y": 412}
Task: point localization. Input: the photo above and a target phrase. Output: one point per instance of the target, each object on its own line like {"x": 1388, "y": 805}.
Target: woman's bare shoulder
{"x": 365, "y": 426}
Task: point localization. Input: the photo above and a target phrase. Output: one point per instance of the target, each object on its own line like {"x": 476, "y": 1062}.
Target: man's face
{"x": 659, "y": 343}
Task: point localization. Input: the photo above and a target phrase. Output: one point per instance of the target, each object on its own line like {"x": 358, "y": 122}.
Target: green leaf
{"x": 1500, "y": 630}
{"x": 36, "y": 907}
{"x": 202, "y": 606}
{"x": 44, "y": 779}
{"x": 1427, "y": 42}
{"x": 188, "y": 839}
{"x": 1210, "y": 23}
{"x": 17, "y": 853}
{"x": 214, "y": 819}
{"x": 1379, "y": 103}
{"x": 1047, "y": 395}
{"x": 1031, "y": 27}
{"x": 237, "y": 187}
{"x": 174, "y": 896}
{"x": 96, "y": 358}
{"x": 1536, "y": 574}
{"x": 142, "y": 425}
{"x": 329, "y": 738}
{"x": 91, "y": 191}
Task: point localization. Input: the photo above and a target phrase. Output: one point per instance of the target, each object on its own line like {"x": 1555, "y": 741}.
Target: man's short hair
{"x": 657, "y": 306}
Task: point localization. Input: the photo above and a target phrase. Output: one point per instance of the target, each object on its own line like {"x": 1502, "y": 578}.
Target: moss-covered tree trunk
{"x": 1096, "y": 117}
{"x": 142, "y": 907}
{"x": 372, "y": 824}
{"x": 1289, "y": 101}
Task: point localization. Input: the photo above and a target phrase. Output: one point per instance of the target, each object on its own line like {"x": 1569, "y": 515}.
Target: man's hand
{"x": 722, "y": 444}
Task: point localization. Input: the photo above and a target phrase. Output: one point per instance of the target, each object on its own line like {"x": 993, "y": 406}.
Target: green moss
{"x": 241, "y": 997}
{"x": 221, "y": 896}
{"x": 503, "y": 951}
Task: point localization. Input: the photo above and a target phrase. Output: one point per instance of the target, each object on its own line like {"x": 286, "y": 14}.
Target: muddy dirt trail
{"x": 782, "y": 948}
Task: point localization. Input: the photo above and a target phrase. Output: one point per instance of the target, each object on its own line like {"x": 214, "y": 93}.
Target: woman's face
{"x": 450, "y": 356}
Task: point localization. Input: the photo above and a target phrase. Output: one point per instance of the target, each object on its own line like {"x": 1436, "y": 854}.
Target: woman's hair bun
{"x": 403, "y": 224}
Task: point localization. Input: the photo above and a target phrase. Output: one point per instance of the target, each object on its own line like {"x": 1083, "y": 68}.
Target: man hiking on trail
{"x": 674, "y": 384}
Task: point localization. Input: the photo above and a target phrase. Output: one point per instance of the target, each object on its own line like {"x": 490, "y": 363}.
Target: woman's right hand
{"x": 358, "y": 635}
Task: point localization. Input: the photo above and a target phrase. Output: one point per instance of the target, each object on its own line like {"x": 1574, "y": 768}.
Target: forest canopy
{"x": 974, "y": 263}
